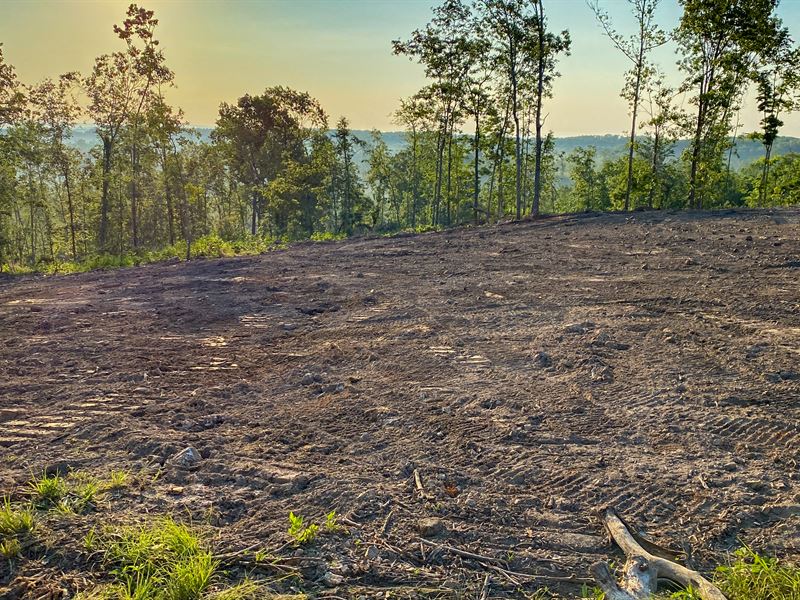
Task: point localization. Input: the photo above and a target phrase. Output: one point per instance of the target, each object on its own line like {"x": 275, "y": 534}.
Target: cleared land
{"x": 531, "y": 373}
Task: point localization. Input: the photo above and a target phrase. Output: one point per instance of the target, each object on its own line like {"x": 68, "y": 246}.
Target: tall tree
{"x": 548, "y": 47}
{"x": 262, "y": 132}
{"x": 720, "y": 40}
{"x": 635, "y": 48}
{"x": 150, "y": 73}
{"x": 778, "y": 92}
{"x": 56, "y": 108}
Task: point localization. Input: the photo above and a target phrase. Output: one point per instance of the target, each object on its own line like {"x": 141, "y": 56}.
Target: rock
{"x": 187, "y": 458}
{"x": 580, "y": 327}
{"x": 332, "y": 579}
{"x": 371, "y": 553}
{"x": 307, "y": 379}
{"x": 689, "y": 262}
{"x": 542, "y": 359}
{"x": 430, "y": 526}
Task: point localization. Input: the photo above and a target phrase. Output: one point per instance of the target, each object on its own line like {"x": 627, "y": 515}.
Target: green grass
{"x": 753, "y": 577}
{"x": 117, "y": 480}
{"x": 163, "y": 560}
{"x": 15, "y": 522}
{"x": 48, "y": 490}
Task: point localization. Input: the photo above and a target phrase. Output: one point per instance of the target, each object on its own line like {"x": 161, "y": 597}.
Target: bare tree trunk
{"x": 104, "y": 200}
{"x": 537, "y": 169}
{"x": 71, "y": 210}
{"x": 476, "y": 190}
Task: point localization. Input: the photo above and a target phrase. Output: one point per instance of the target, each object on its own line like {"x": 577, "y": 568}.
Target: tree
{"x": 111, "y": 89}
{"x": 778, "y": 92}
{"x": 262, "y": 132}
{"x": 12, "y": 98}
{"x": 636, "y": 49}
{"x": 548, "y": 46}
{"x": 149, "y": 72}
{"x": 447, "y": 48}
{"x": 583, "y": 174}
{"x": 719, "y": 39}
{"x": 56, "y": 109}
{"x": 347, "y": 182}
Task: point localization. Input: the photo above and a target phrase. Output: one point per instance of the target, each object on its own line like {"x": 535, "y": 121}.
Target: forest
{"x": 276, "y": 168}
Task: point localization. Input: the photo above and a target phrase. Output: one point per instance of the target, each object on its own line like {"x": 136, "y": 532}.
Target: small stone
{"x": 332, "y": 579}
{"x": 430, "y": 526}
{"x": 580, "y": 327}
{"x": 289, "y": 326}
{"x": 689, "y": 262}
{"x": 307, "y": 379}
{"x": 36, "y": 309}
{"x": 542, "y": 359}
{"x": 186, "y": 458}
{"x": 371, "y": 553}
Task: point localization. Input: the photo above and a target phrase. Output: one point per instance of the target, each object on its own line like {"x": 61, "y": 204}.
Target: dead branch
{"x": 644, "y": 568}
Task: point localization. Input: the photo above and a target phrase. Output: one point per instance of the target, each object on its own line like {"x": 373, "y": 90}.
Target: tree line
{"x": 477, "y": 148}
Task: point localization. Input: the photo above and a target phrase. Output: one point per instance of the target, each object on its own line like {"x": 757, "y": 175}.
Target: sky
{"x": 337, "y": 50}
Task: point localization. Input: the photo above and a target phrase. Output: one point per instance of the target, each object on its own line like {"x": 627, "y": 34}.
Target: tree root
{"x": 645, "y": 567}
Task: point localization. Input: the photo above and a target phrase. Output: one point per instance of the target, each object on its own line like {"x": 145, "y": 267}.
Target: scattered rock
{"x": 580, "y": 327}
{"x": 371, "y": 553}
{"x": 187, "y": 458}
{"x": 332, "y": 579}
{"x": 430, "y": 527}
{"x": 542, "y": 359}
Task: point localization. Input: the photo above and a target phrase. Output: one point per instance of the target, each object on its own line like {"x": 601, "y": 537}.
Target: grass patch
{"x": 163, "y": 560}
{"x": 16, "y": 525}
{"x": 15, "y": 522}
{"x": 117, "y": 480}
{"x": 77, "y": 493}
{"x": 48, "y": 491}
{"x": 753, "y": 577}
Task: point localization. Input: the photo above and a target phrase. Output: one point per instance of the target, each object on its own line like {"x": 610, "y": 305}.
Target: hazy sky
{"x": 338, "y": 50}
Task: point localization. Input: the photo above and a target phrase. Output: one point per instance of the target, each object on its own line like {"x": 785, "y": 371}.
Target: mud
{"x": 531, "y": 373}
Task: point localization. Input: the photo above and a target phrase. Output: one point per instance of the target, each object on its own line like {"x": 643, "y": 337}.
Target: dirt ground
{"x": 531, "y": 373}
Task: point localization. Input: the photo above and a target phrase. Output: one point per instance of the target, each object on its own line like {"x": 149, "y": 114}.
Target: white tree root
{"x": 644, "y": 569}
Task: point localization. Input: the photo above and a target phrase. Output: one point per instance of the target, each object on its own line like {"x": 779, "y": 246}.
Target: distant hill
{"x": 608, "y": 146}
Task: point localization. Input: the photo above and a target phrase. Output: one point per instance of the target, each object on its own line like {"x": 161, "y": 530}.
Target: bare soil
{"x": 532, "y": 373}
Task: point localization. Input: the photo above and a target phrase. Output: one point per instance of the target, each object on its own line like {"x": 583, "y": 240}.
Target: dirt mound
{"x": 528, "y": 373}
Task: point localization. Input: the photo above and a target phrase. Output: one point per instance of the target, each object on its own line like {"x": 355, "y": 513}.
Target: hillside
{"x": 608, "y": 146}
{"x": 483, "y": 390}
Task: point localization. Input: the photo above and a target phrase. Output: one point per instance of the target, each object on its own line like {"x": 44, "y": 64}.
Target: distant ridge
{"x": 608, "y": 146}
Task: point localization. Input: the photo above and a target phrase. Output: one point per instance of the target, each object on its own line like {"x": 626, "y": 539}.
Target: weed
{"x": 90, "y": 540}
{"x": 85, "y": 496}
{"x": 299, "y": 531}
{"x": 10, "y": 548}
{"x": 592, "y": 593}
{"x": 48, "y": 490}
{"x": 332, "y": 522}
{"x": 164, "y": 560}
{"x": 117, "y": 480}
{"x": 15, "y": 522}
{"x": 754, "y": 577}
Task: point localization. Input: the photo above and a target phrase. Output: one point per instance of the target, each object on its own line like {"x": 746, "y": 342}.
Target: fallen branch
{"x": 494, "y": 564}
{"x": 644, "y": 568}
